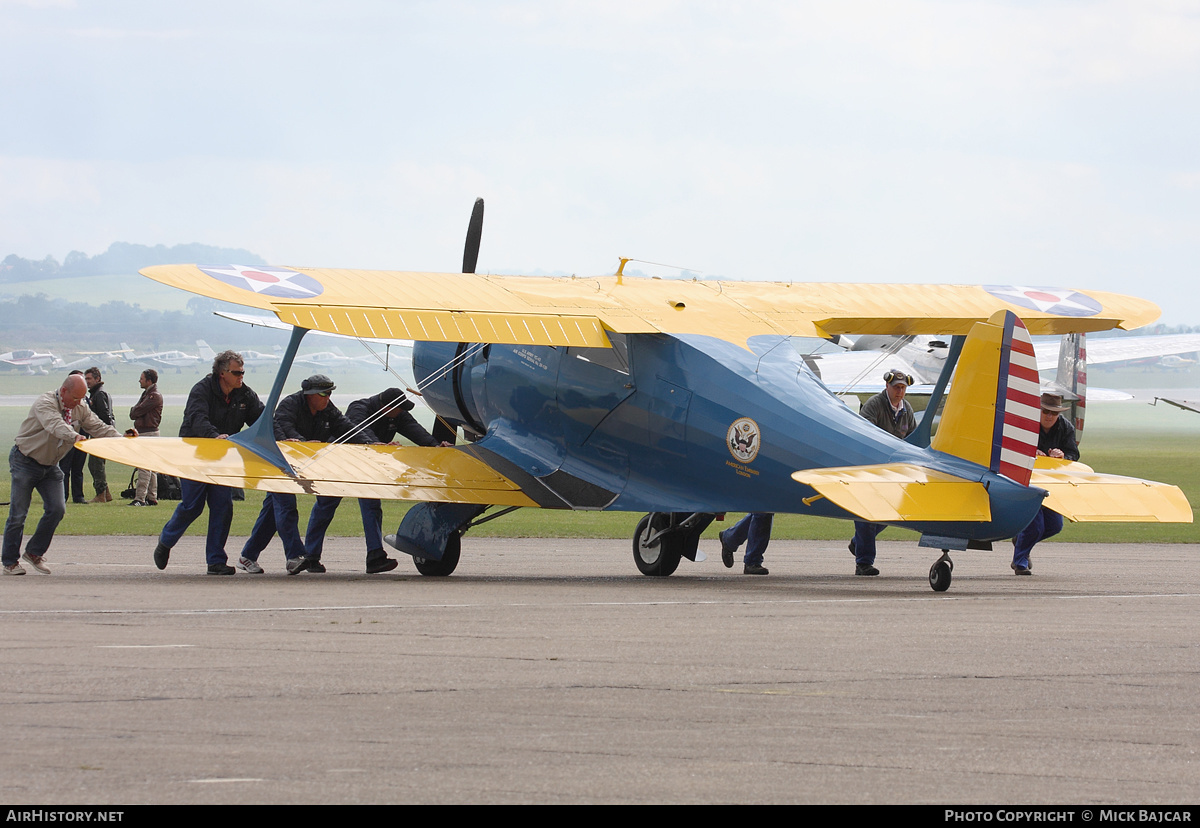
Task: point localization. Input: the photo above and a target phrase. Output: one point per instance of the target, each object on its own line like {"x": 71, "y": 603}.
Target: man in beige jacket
{"x": 45, "y": 437}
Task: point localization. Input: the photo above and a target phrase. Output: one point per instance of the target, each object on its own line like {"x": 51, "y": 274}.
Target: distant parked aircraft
{"x": 31, "y": 362}
{"x": 104, "y": 360}
{"x": 168, "y": 359}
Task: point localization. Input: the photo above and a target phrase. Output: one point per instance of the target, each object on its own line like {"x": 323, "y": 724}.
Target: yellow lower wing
{"x": 1080, "y": 494}
{"x": 386, "y": 472}
{"x": 899, "y": 491}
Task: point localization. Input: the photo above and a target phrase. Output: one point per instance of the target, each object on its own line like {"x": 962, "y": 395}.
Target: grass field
{"x": 1135, "y": 439}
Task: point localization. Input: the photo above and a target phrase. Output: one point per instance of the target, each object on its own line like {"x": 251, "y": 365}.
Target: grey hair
{"x": 221, "y": 361}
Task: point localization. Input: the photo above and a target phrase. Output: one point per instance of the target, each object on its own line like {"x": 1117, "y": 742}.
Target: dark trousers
{"x": 754, "y": 530}
{"x": 72, "y": 469}
{"x": 194, "y": 497}
{"x": 1045, "y": 524}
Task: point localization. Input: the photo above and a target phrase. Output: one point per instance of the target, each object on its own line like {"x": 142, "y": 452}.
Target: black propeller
{"x": 474, "y": 235}
{"x": 441, "y": 431}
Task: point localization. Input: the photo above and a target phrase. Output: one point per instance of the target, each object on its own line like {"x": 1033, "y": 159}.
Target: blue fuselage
{"x": 678, "y": 424}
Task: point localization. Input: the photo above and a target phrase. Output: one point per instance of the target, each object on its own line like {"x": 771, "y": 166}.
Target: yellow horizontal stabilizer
{"x": 1080, "y": 494}
{"x": 537, "y": 310}
{"x": 900, "y": 491}
{"x": 444, "y": 475}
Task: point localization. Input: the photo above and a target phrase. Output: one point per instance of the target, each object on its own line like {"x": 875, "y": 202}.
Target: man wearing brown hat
{"x": 1056, "y": 438}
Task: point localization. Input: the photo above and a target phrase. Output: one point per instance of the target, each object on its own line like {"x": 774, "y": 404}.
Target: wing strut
{"x": 260, "y": 437}
{"x": 921, "y": 436}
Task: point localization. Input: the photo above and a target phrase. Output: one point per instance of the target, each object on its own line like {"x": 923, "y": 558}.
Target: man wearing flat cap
{"x": 1056, "y": 438}
{"x": 890, "y": 411}
{"x": 307, "y": 415}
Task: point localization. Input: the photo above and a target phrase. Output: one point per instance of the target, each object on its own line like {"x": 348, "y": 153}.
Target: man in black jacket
{"x": 382, "y": 417}
{"x": 219, "y": 405}
{"x": 101, "y": 404}
{"x": 890, "y": 411}
{"x": 1056, "y": 438}
{"x": 307, "y": 415}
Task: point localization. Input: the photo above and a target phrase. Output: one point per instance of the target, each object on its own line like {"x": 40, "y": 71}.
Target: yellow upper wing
{"x": 385, "y": 472}
{"x": 529, "y": 310}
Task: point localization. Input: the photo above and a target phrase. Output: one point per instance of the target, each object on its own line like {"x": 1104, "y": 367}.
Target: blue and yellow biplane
{"x": 673, "y": 398}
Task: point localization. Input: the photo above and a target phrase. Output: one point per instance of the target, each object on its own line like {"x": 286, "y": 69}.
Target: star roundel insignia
{"x": 1058, "y": 301}
{"x": 269, "y": 281}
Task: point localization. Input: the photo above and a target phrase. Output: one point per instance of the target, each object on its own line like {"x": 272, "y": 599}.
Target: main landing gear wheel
{"x": 662, "y": 558}
{"x": 448, "y": 563}
{"x": 939, "y": 573}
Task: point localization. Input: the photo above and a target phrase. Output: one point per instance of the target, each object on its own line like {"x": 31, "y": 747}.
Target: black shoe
{"x": 726, "y": 551}
{"x": 1021, "y": 570}
{"x": 853, "y": 549}
{"x": 316, "y": 567}
{"x": 755, "y": 569}
{"x": 381, "y": 565}
{"x": 162, "y": 554}
{"x": 865, "y": 569}
{"x": 220, "y": 569}
{"x": 297, "y": 565}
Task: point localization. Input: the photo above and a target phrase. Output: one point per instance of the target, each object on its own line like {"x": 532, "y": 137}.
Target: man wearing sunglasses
{"x": 218, "y": 405}
{"x": 307, "y": 415}
{"x": 890, "y": 411}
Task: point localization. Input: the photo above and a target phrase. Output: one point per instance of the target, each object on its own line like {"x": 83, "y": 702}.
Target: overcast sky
{"x": 1037, "y": 143}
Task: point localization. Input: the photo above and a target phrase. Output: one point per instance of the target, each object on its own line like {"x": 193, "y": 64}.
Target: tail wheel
{"x": 448, "y": 563}
{"x": 662, "y": 558}
{"x": 939, "y": 575}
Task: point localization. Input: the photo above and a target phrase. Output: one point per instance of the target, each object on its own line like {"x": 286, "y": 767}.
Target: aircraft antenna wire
{"x": 367, "y": 423}
{"x": 889, "y": 351}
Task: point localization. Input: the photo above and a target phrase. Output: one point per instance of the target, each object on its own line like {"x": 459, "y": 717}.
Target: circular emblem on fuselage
{"x": 1058, "y": 301}
{"x": 269, "y": 281}
{"x": 743, "y": 439}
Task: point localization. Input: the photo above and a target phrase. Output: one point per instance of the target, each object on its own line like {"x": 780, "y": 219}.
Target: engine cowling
{"x": 443, "y": 372}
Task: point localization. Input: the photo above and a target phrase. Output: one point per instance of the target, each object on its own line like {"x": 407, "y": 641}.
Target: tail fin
{"x": 1072, "y": 378}
{"x": 205, "y": 351}
{"x": 991, "y": 417}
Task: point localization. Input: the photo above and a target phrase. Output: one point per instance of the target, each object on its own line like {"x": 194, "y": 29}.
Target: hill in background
{"x": 93, "y": 303}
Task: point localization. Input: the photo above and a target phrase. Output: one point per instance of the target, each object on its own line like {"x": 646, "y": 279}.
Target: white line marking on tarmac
{"x": 483, "y": 605}
{"x": 225, "y": 779}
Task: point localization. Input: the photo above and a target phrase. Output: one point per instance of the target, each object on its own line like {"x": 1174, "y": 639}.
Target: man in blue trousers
{"x": 1056, "y": 438}
{"x": 217, "y": 406}
{"x": 754, "y": 530}
{"x": 307, "y": 415}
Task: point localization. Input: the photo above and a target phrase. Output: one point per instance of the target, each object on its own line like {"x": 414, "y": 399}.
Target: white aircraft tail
{"x": 206, "y": 352}
{"x": 1072, "y": 378}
